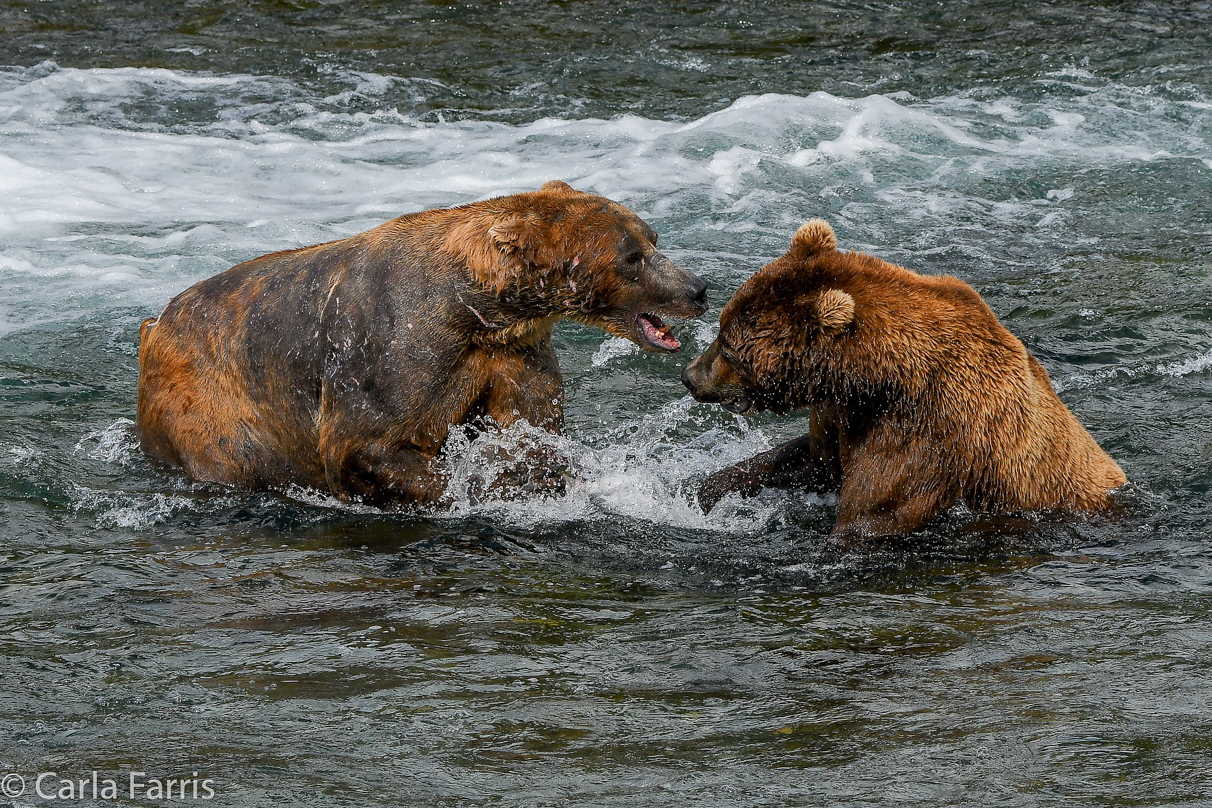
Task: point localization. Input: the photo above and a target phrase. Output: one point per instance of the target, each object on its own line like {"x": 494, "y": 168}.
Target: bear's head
{"x": 559, "y": 252}
{"x": 774, "y": 332}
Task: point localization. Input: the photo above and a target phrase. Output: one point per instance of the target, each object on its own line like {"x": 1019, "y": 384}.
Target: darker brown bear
{"x": 342, "y": 366}
{"x": 918, "y": 396}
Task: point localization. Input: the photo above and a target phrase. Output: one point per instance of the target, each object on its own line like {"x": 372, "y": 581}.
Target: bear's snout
{"x": 661, "y": 289}
{"x": 711, "y": 379}
{"x": 685, "y": 293}
{"x": 696, "y": 377}
{"x": 688, "y": 378}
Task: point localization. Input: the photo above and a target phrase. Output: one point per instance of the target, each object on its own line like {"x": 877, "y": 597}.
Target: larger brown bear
{"x": 342, "y": 366}
{"x": 918, "y": 396}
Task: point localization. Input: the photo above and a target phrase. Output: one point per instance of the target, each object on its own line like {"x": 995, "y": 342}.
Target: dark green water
{"x": 615, "y": 647}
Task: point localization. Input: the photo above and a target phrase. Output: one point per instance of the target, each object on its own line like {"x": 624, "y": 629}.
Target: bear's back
{"x": 967, "y": 385}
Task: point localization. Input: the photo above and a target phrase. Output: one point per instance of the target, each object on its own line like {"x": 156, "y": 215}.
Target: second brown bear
{"x": 918, "y": 396}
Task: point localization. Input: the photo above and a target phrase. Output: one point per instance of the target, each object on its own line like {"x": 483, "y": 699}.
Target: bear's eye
{"x": 632, "y": 266}
{"x": 734, "y": 360}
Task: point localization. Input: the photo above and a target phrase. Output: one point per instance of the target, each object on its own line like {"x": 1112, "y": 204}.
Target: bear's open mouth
{"x": 740, "y": 405}
{"x": 656, "y": 333}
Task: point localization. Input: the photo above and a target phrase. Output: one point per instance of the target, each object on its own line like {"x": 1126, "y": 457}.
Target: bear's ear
{"x": 522, "y": 244}
{"x": 814, "y": 236}
{"x": 523, "y": 238}
{"x": 510, "y": 235}
{"x": 557, "y": 185}
{"x": 499, "y": 254}
{"x": 834, "y": 310}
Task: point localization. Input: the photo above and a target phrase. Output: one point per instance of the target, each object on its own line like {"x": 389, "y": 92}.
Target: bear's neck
{"x": 522, "y": 334}
{"x": 499, "y": 321}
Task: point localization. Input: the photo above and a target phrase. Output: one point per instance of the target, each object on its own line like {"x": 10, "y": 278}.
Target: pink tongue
{"x": 654, "y": 334}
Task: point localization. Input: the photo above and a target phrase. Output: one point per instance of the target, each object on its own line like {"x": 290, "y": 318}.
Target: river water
{"x": 615, "y": 647}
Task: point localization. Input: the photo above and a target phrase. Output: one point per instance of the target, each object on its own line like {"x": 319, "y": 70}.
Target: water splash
{"x": 612, "y": 349}
{"x": 117, "y": 443}
{"x": 640, "y": 471}
{"x": 129, "y": 510}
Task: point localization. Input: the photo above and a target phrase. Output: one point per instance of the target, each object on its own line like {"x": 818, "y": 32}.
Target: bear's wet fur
{"x": 342, "y": 366}
{"x": 918, "y": 396}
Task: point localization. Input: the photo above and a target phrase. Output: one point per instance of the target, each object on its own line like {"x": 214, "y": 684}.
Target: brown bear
{"x": 342, "y": 366}
{"x": 917, "y": 395}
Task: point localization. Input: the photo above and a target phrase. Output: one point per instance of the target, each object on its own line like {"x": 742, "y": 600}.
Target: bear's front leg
{"x": 531, "y": 470}
{"x": 871, "y": 520}
{"x": 891, "y": 487}
{"x": 799, "y": 464}
{"x": 382, "y": 476}
{"x": 526, "y": 385}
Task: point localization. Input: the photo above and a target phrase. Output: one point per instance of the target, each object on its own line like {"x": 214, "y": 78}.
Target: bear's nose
{"x": 687, "y": 379}
{"x": 697, "y": 292}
